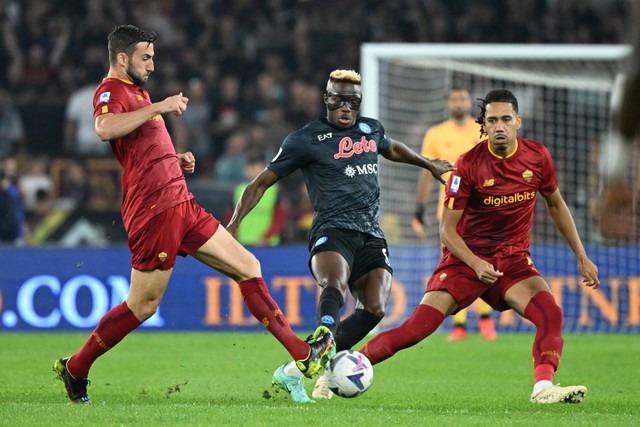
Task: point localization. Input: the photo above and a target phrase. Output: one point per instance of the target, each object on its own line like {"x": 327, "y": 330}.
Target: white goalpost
{"x": 564, "y": 98}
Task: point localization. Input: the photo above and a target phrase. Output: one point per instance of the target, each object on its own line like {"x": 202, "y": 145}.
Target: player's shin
{"x": 328, "y": 310}
{"x": 422, "y": 323}
{"x": 354, "y": 328}
{"x": 266, "y": 310}
{"x": 546, "y": 315}
{"x": 113, "y": 327}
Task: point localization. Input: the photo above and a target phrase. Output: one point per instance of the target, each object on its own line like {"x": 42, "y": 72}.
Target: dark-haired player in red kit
{"x": 485, "y": 228}
{"x": 161, "y": 218}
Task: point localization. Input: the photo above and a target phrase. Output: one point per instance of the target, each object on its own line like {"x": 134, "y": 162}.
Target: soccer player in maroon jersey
{"x": 161, "y": 218}
{"x": 485, "y": 227}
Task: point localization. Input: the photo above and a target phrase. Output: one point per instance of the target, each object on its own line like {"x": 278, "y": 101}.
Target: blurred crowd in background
{"x": 254, "y": 72}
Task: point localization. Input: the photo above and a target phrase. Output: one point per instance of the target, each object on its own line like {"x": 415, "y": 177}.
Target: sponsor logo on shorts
{"x": 527, "y": 175}
{"x": 364, "y": 128}
{"x": 162, "y": 256}
{"x": 509, "y": 198}
{"x": 443, "y": 276}
{"x": 321, "y": 241}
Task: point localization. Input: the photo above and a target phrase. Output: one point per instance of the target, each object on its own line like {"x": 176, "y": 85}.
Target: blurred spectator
{"x": 276, "y": 129}
{"x": 79, "y": 125}
{"x": 227, "y": 111}
{"x": 74, "y": 185}
{"x": 230, "y": 167}
{"x": 300, "y": 216}
{"x": 196, "y": 121}
{"x": 12, "y": 215}
{"x": 36, "y": 185}
{"x": 8, "y": 213}
{"x": 263, "y": 225}
{"x": 38, "y": 77}
{"x": 11, "y": 127}
{"x": 304, "y": 103}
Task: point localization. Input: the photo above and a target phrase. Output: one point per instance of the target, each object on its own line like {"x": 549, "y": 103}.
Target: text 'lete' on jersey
{"x": 340, "y": 169}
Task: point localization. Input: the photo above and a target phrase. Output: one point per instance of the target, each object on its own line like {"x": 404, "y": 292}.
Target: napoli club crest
{"x": 364, "y": 128}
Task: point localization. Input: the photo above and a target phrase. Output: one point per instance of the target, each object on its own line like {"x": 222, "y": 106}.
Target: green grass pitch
{"x": 211, "y": 379}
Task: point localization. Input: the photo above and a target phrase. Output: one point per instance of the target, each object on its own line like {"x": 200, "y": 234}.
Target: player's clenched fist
{"x": 187, "y": 162}
{"x": 175, "y": 104}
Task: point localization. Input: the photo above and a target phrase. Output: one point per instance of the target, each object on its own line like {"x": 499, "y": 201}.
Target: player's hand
{"x": 437, "y": 167}
{"x": 417, "y": 223}
{"x": 187, "y": 162}
{"x": 486, "y": 272}
{"x": 175, "y": 104}
{"x": 590, "y": 273}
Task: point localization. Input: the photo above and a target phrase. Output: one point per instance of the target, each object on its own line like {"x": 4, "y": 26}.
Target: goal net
{"x": 564, "y": 98}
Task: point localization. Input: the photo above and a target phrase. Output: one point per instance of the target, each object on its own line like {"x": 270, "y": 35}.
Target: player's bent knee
{"x": 144, "y": 310}
{"x": 250, "y": 268}
{"x": 375, "y": 309}
{"x": 551, "y": 308}
{"x": 329, "y": 282}
{"x": 554, "y": 312}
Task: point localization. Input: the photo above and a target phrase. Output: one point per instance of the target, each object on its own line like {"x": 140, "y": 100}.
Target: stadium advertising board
{"x": 70, "y": 289}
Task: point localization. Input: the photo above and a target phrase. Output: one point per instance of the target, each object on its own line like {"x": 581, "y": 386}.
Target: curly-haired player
{"x": 485, "y": 229}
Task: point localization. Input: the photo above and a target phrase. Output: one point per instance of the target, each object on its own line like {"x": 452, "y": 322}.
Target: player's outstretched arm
{"x": 563, "y": 220}
{"x": 111, "y": 126}
{"x": 250, "y": 198}
{"x": 399, "y": 152}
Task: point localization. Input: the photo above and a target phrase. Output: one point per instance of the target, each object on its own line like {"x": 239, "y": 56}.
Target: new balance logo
{"x": 488, "y": 183}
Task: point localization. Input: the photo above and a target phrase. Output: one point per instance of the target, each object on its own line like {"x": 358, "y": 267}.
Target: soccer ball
{"x": 349, "y": 373}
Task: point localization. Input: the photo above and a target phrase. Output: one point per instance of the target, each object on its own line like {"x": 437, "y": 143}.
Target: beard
{"x": 136, "y": 77}
{"x": 459, "y": 115}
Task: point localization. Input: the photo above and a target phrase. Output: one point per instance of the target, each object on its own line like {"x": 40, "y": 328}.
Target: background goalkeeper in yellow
{"x": 447, "y": 141}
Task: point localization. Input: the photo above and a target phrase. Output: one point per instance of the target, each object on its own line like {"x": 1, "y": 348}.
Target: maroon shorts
{"x": 461, "y": 281}
{"x": 180, "y": 230}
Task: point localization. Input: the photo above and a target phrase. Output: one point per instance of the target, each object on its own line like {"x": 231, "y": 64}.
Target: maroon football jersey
{"x": 152, "y": 180}
{"x": 498, "y": 195}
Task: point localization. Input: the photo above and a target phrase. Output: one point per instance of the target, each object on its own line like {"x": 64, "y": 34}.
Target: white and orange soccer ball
{"x": 349, "y": 373}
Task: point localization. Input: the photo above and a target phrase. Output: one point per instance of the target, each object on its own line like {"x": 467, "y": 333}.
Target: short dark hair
{"x": 458, "y": 89}
{"x": 125, "y": 38}
{"x": 496, "y": 95}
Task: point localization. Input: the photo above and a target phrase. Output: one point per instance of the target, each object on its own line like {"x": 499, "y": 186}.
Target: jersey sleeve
{"x": 109, "y": 98}
{"x": 458, "y": 187}
{"x": 549, "y": 182}
{"x": 385, "y": 141}
{"x": 291, "y": 156}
